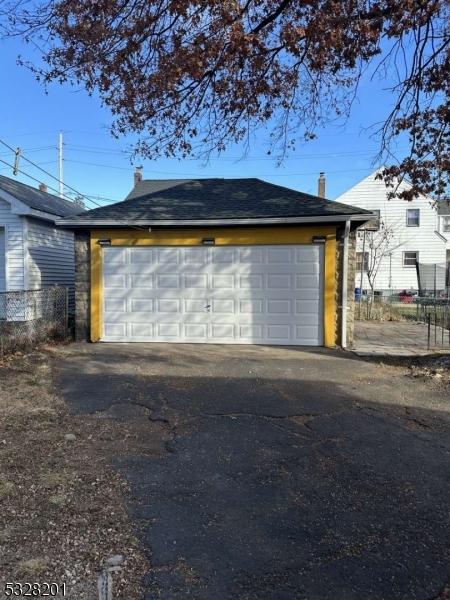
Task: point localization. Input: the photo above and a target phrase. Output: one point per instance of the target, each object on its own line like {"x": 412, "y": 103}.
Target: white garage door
{"x": 219, "y": 294}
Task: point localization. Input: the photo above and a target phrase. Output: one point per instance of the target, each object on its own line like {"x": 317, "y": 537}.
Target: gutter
{"x": 344, "y": 296}
{"x": 67, "y": 222}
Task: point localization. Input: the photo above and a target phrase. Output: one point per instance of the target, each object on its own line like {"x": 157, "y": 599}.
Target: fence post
{"x": 429, "y": 329}
{"x": 66, "y": 316}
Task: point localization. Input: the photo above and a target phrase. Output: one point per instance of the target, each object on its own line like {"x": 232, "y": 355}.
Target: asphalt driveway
{"x": 276, "y": 473}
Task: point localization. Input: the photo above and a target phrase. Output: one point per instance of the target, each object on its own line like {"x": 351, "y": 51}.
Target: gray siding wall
{"x": 51, "y": 256}
{"x": 13, "y": 245}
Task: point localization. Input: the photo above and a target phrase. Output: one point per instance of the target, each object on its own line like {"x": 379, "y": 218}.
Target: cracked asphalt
{"x": 275, "y": 473}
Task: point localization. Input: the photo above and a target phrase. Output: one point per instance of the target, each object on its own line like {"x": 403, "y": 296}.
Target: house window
{"x": 413, "y": 217}
{"x": 410, "y": 259}
{"x": 445, "y": 223}
{"x": 359, "y": 261}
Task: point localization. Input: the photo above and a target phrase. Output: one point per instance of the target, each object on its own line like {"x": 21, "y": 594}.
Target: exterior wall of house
{"x": 444, "y": 221}
{"x": 88, "y": 287}
{"x": 51, "y": 256}
{"x": 371, "y": 194}
{"x": 13, "y": 226}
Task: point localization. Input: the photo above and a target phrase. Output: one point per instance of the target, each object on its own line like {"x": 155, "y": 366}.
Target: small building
{"x": 34, "y": 253}
{"x": 419, "y": 239}
{"x": 227, "y": 261}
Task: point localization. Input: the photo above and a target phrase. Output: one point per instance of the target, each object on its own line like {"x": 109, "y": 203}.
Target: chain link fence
{"x": 28, "y": 317}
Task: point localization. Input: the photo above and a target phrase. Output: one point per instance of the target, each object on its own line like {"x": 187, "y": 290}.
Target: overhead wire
{"x": 48, "y": 174}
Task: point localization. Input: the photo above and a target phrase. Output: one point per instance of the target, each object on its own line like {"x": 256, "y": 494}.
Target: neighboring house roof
{"x": 37, "y": 200}
{"x": 444, "y": 208}
{"x": 188, "y": 200}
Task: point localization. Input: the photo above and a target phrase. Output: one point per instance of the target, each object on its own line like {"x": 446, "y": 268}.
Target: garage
{"x": 258, "y": 294}
{"x": 216, "y": 261}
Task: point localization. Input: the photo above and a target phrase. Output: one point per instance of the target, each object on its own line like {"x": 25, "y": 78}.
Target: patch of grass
{"x": 6, "y": 489}
{"x": 32, "y": 567}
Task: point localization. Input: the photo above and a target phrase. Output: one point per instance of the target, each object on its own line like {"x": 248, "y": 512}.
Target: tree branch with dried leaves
{"x": 192, "y": 77}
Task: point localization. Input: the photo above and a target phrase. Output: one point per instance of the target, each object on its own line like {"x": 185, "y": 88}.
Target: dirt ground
{"x": 62, "y": 509}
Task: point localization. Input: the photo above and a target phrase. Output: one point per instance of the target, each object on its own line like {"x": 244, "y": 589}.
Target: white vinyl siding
{"x": 371, "y": 194}
{"x": 13, "y": 243}
{"x": 221, "y": 294}
{"x": 51, "y": 256}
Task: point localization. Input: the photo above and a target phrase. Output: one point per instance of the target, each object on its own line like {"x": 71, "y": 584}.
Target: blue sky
{"x": 95, "y": 163}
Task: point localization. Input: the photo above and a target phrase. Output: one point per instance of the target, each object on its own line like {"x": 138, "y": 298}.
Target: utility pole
{"x": 16, "y": 161}
{"x": 60, "y": 160}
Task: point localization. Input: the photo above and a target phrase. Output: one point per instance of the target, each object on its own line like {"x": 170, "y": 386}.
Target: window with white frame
{"x": 410, "y": 258}
{"x": 446, "y": 223}
{"x": 360, "y": 264}
{"x": 412, "y": 217}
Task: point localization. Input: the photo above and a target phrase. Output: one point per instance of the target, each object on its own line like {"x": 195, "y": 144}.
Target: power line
{"x": 47, "y": 162}
{"x": 48, "y": 174}
{"x": 181, "y": 175}
{"x": 31, "y": 177}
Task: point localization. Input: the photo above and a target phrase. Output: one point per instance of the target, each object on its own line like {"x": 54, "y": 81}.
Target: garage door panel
{"x": 279, "y": 255}
{"x": 141, "y": 281}
{"x": 164, "y": 256}
{"x": 251, "y": 282}
{"x": 307, "y": 307}
{"x": 195, "y": 281}
{"x": 198, "y": 331}
{"x": 251, "y": 294}
{"x": 115, "y": 329}
{"x": 116, "y": 256}
{"x": 142, "y": 330}
{"x": 222, "y": 282}
{"x": 307, "y": 281}
{"x": 224, "y": 256}
{"x": 279, "y": 281}
{"x": 223, "y": 305}
{"x": 253, "y": 306}
{"x": 280, "y": 307}
{"x": 141, "y": 305}
{"x": 195, "y": 306}
{"x": 115, "y": 305}
{"x": 115, "y": 281}
{"x": 171, "y": 306}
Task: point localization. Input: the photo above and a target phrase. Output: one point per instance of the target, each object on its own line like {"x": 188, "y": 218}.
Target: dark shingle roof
{"x": 38, "y": 200}
{"x": 201, "y": 199}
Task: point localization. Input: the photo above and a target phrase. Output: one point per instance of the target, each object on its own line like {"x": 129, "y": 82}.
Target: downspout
{"x": 344, "y": 294}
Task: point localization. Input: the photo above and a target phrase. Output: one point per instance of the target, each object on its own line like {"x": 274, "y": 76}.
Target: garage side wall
{"x": 350, "y": 286}
{"x": 82, "y": 286}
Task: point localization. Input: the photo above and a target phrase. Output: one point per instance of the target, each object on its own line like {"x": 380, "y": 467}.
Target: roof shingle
{"x": 209, "y": 199}
{"x": 38, "y": 200}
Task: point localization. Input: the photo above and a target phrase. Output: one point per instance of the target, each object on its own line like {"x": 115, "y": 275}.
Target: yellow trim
{"x": 223, "y": 237}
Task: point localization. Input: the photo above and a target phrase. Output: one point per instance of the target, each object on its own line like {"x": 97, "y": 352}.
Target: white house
{"x": 444, "y": 228}
{"x": 419, "y": 235}
{"x": 33, "y": 252}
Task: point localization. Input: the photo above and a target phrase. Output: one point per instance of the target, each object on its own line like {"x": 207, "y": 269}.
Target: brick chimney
{"x": 42, "y": 187}
{"x": 137, "y": 175}
{"x": 321, "y": 185}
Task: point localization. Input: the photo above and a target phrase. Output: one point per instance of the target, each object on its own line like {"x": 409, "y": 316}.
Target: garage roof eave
{"x": 89, "y": 223}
